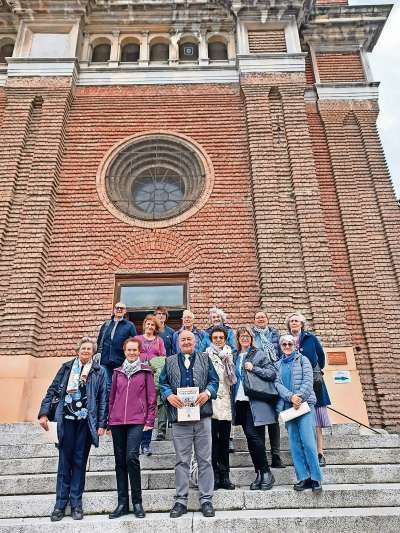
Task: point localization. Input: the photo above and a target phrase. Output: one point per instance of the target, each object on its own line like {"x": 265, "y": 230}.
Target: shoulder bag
{"x": 257, "y": 388}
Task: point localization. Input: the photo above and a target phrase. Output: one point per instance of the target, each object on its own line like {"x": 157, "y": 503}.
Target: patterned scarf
{"x": 266, "y": 343}
{"x": 131, "y": 368}
{"x": 78, "y": 374}
{"x": 227, "y": 359}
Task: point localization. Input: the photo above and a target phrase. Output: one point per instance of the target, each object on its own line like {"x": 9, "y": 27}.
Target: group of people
{"x": 123, "y": 383}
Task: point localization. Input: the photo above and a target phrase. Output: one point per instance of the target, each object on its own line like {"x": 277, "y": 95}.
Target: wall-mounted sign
{"x": 341, "y": 376}
{"x": 337, "y": 358}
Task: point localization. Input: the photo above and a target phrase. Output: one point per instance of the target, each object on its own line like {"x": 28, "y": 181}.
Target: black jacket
{"x": 97, "y": 400}
{"x": 112, "y": 353}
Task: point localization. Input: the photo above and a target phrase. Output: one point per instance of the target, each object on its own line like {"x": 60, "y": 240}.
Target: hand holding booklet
{"x": 190, "y": 412}
{"x": 292, "y": 413}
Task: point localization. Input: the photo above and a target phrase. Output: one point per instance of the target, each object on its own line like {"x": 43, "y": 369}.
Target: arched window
{"x": 188, "y": 51}
{"x": 217, "y": 51}
{"x": 130, "y": 53}
{"x": 6, "y": 50}
{"x": 159, "y": 52}
{"x": 101, "y": 53}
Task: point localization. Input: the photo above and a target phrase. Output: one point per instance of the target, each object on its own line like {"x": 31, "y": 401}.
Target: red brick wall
{"x": 89, "y": 246}
{"x": 3, "y": 99}
{"x": 340, "y": 67}
{"x": 267, "y": 41}
{"x": 310, "y": 79}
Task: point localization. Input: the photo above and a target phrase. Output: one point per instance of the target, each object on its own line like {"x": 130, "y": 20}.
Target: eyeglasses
{"x": 244, "y": 336}
{"x": 287, "y": 344}
{"x": 217, "y": 338}
{"x": 118, "y": 308}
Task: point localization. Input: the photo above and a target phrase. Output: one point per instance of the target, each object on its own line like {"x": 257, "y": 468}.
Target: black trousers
{"x": 220, "y": 431}
{"x": 126, "y": 441}
{"x": 255, "y": 436}
{"x": 274, "y": 434}
{"x": 73, "y": 454}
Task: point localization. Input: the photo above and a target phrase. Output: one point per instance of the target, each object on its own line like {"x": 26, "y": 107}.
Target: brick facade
{"x": 266, "y": 41}
{"x": 342, "y": 67}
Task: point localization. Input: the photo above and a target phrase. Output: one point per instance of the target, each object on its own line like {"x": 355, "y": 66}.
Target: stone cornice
{"x": 342, "y": 25}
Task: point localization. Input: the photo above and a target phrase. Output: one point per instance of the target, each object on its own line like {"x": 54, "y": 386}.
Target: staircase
{"x": 361, "y": 489}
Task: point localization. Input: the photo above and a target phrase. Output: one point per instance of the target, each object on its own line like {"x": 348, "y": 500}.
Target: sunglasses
{"x": 117, "y": 308}
{"x": 287, "y": 344}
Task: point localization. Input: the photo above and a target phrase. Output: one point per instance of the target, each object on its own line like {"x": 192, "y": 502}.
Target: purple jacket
{"x": 132, "y": 401}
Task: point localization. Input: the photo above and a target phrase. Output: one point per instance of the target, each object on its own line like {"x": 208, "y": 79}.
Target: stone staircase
{"x": 361, "y": 489}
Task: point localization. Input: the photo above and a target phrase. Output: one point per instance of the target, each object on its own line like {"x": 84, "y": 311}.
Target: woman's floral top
{"x": 75, "y": 405}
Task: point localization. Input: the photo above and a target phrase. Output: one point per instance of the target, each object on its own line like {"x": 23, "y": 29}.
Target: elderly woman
{"x": 295, "y": 385}
{"x": 253, "y": 415}
{"x": 188, "y": 325}
{"x": 309, "y": 345}
{"x": 153, "y": 352}
{"x": 132, "y": 409}
{"x": 217, "y": 317}
{"x": 220, "y": 354}
{"x": 80, "y": 386}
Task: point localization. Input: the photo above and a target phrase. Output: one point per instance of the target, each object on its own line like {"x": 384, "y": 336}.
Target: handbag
{"x": 318, "y": 378}
{"x": 292, "y": 413}
{"x": 57, "y": 397}
{"x": 257, "y": 388}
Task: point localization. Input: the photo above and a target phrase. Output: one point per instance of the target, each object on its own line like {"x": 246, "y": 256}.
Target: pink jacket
{"x": 132, "y": 401}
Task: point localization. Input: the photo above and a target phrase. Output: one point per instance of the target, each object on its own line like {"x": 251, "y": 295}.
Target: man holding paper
{"x": 189, "y": 369}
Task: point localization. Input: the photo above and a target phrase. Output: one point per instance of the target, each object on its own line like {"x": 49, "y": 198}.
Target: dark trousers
{"x": 274, "y": 434}
{"x": 255, "y": 436}
{"x": 220, "y": 432}
{"x": 126, "y": 441}
{"x": 73, "y": 455}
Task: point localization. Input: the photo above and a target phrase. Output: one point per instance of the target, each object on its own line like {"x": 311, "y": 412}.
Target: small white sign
{"x": 342, "y": 376}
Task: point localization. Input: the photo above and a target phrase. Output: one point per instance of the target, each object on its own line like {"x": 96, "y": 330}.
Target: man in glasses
{"x": 113, "y": 333}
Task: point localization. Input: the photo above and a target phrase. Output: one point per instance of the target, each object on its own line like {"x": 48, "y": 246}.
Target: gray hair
{"x": 287, "y": 338}
{"x": 85, "y": 339}
{"x": 300, "y": 316}
{"x": 218, "y": 311}
{"x": 187, "y": 312}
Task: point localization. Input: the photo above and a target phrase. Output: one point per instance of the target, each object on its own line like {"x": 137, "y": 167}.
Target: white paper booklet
{"x": 51, "y": 435}
{"x": 191, "y": 412}
{"x": 290, "y": 414}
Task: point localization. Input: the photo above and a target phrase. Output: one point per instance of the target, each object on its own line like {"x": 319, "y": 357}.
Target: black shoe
{"x": 256, "y": 483}
{"x": 277, "y": 461}
{"x": 316, "y": 486}
{"x": 138, "y": 510}
{"x": 76, "y": 513}
{"x": 57, "y": 514}
{"x": 231, "y": 446}
{"x": 177, "y": 510}
{"x": 267, "y": 481}
{"x": 146, "y": 450}
{"x": 303, "y": 485}
{"x": 120, "y": 510}
{"x": 207, "y": 509}
{"x": 321, "y": 460}
{"x": 226, "y": 483}
{"x": 160, "y": 436}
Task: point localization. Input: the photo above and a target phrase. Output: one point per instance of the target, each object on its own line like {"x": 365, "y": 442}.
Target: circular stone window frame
{"x": 186, "y": 141}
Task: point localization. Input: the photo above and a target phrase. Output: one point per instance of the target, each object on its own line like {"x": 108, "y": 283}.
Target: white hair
{"x": 187, "y": 312}
{"x": 218, "y": 311}
{"x": 287, "y": 338}
{"x": 299, "y": 315}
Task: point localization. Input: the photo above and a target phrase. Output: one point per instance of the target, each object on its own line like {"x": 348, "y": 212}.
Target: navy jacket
{"x": 97, "y": 400}
{"x": 112, "y": 353}
{"x": 311, "y": 347}
{"x": 167, "y": 336}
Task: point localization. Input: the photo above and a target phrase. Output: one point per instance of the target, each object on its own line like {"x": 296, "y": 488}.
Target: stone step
{"x": 44, "y": 465}
{"x": 164, "y": 479}
{"x": 280, "y": 497}
{"x": 350, "y": 520}
{"x": 22, "y": 447}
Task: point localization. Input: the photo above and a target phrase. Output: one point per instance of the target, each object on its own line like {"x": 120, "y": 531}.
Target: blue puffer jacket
{"x": 312, "y": 349}
{"x": 97, "y": 400}
{"x": 112, "y": 353}
{"x": 302, "y": 382}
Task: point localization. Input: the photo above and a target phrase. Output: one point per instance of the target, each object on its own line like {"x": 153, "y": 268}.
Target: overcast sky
{"x": 385, "y": 63}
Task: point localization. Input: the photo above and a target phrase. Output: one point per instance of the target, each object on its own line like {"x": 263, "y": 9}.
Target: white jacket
{"x": 222, "y": 409}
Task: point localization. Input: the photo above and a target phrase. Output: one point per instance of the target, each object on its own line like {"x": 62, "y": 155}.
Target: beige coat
{"x": 222, "y": 405}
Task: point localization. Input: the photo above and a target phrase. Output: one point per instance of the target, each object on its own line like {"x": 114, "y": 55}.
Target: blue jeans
{"x": 73, "y": 456}
{"x": 303, "y": 446}
{"x": 146, "y": 439}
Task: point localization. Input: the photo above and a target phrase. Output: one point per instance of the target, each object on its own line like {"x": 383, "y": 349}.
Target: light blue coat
{"x": 302, "y": 382}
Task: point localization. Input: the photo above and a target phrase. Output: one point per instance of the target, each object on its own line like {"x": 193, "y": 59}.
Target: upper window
{"x": 130, "y": 53}
{"x": 217, "y": 51}
{"x": 6, "y": 50}
{"x": 159, "y": 52}
{"x": 188, "y": 52}
{"x": 155, "y": 178}
{"x": 101, "y": 53}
